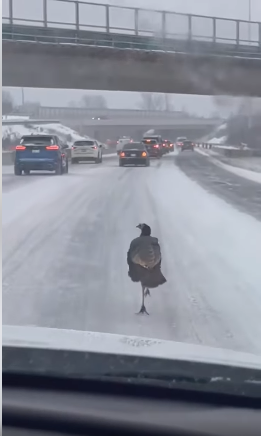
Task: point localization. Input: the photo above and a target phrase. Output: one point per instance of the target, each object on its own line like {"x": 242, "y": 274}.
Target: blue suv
{"x": 40, "y": 152}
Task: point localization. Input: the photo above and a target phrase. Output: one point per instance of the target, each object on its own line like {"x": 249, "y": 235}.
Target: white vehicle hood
{"x": 60, "y": 339}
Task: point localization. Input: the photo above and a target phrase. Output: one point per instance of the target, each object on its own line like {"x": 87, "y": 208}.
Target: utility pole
{"x": 167, "y": 105}
{"x": 249, "y": 118}
{"x": 23, "y": 100}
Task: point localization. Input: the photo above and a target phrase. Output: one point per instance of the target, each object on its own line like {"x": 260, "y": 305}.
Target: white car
{"x": 86, "y": 150}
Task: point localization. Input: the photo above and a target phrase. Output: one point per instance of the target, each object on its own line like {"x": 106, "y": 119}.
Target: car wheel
{"x": 121, "y": 164}
{"x": 27, "y": 172}
{"x": 17, "y": 171}
{"x": 66, "y": 167}
{"x": 101, "y": 159}
{"x": 59, "y": 169}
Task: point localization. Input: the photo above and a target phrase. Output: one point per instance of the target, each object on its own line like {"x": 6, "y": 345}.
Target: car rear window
{"x": 84, "y": 143}
{"x": 133, "y": 145}
{"x": 44, "y": 140}
{"x": 150, "y": 141}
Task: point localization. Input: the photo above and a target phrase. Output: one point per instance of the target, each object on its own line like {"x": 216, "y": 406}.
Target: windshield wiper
{"x": 233, "y": 385}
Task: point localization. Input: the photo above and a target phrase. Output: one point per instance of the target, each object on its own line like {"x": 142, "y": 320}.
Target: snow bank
{"x": 247, "y": 174}
{"x": 15, "y": 117}
{"x": 217, "y": 136}
{"x": 241, "y": 172}
{"x": 216, "y": 140}
{"x": 65, "y": 133}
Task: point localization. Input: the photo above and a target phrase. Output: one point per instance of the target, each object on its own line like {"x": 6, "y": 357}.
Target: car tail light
{"x": 144, "y": 154}
{"x": 94, "y": 147}
{"x": 122, "y": 154}
{"x": 171, "y": 145}
{"x": 52, "y": 147}
{"x": 156, "y": 146}
{"x": 20, "y": 147}
{"x": 73, "y": 148}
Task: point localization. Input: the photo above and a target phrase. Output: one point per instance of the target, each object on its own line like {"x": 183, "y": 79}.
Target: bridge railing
{"x": 79, "y": 15}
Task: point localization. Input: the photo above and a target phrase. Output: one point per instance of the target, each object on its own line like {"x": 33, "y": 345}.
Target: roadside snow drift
{"x": 65, "y": 133}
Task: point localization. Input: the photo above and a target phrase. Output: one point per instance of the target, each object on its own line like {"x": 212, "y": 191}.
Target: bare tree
{"x": 152, "y": 102}
{"x": 7, "y": 103}
{"x": 31, "y": 107}
{"x": 73, "y": 103}
{"x": 94, "y": 102}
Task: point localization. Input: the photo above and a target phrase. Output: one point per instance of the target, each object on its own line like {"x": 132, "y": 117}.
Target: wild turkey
{"x": 144, "y": 260}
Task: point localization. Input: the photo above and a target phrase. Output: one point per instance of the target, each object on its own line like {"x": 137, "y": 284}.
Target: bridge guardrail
{"x": 134, "y": 23}
{"x": 125, "y": 42}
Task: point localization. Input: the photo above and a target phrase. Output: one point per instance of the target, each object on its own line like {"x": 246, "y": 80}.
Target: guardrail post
{"x": 163, "y": 29}
{"x": 45, "y": 13}
{"x": 77, "y": 16}
{"x": 107, "y": 18}
{"x": 11, "y": 11}
{"x": 237, "y": 32}
{"x": 136, "y": 19}
{"x": 189, "y": 27}
{"x": 214, "y": 30}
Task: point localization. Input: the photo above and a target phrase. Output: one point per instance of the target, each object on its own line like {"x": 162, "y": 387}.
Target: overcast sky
{"x": 64, "y": 12}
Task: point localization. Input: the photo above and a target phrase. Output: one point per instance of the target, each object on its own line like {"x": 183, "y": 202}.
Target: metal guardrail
{"x": 80, "y": 16}
{"x": 25, "y": 34}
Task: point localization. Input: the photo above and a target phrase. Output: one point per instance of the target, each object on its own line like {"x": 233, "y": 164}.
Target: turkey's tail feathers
{"x": 150, "y": 278}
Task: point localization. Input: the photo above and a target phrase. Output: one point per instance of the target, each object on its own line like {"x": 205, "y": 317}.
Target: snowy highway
{"x": 65, "y": 241}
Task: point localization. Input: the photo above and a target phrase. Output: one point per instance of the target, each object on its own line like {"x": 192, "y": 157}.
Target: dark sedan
{"x": 134, "y": 153}
{"x": 153, "y": 147}
{"x": 187, "y": 145}
{"x": 169, "y": 145}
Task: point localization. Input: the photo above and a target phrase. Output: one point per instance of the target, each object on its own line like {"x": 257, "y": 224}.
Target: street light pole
{"x": 22, "y": 89}
{"x": 249, "y": 40}
{"x": 249, "y": 19}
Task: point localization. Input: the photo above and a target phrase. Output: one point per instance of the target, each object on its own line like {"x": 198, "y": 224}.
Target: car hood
{"x": 106, "y": 343}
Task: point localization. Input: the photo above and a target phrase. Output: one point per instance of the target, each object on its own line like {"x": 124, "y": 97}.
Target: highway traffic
{"x": 65, "y": 242}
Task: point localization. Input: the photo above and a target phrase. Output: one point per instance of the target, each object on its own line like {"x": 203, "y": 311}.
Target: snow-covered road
{"x": 65, "y": 241}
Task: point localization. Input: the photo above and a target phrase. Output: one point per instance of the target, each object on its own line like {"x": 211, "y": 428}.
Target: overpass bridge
{"x": 102, "y": 115}
{"x": 136, "y": 127}
{"x": 111, "y": 123}
{"x": 144, "y": 54}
